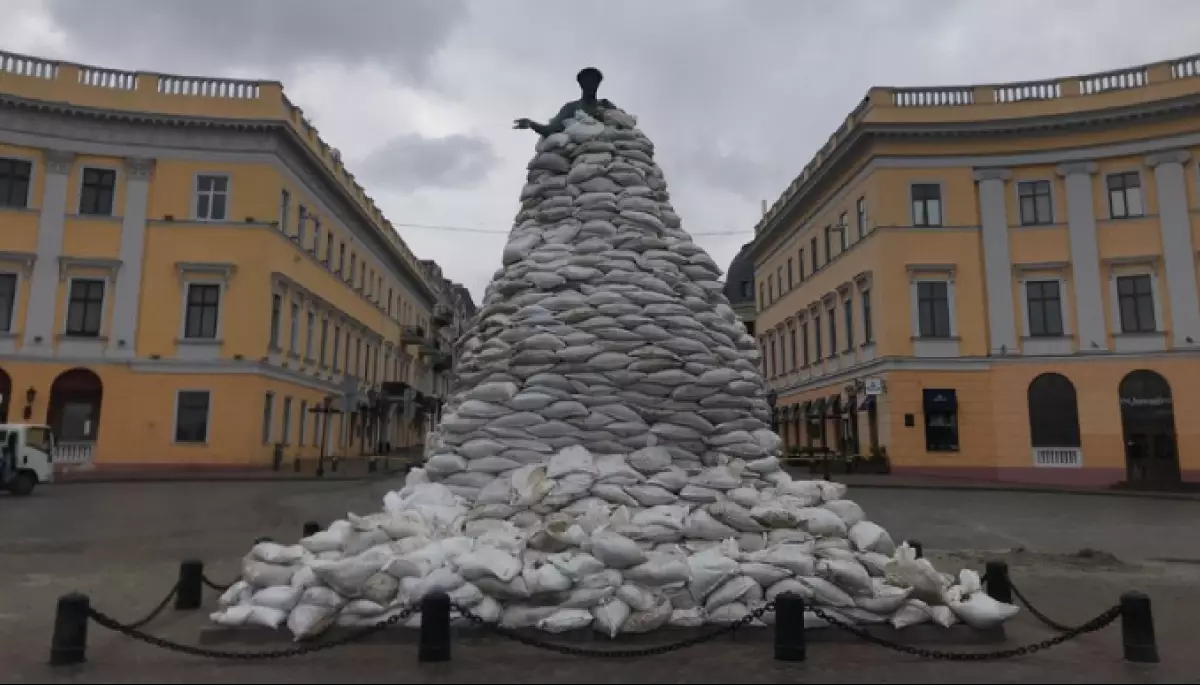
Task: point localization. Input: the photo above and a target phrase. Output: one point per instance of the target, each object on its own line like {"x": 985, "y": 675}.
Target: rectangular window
{"x": 828, "y": 244}
{"x": 1034, "y": 197}
{"x": 1044, "y": 302}
{"x": 762, "y": 296}
{"x": 800, "y": 263}
{"x": 341, "y": 258}
{"x": 303, "y": 422}
{"x": 212, "y": 197}
{"x": 203, "y": 305}
{"x": 804, "y": 342}
{"x": 285, "y": 210}
{"x": 861, "y": 219}
{"x": 933, "y": 305}
{"x": 99, "y": 187}
{"x": 353, "y": 267}
{"x": 817, "y": 337}
{"x": 8, "y": 301}
{"x": 294, "y": 332}
{"x": 287, "y": 421}
{"x": 770, "y": 290}
{"x": 1136, "y": 297}
{"x": 276, "y": 313}
{"x": 302, "y": 225}
{"x": 310, "y": 325}
{"x": 868, "y": 329}
{"x": 791, "y": 282}
{"x": 328, "y": 249}
{"x": 812, "y": 244}
{"x": 941, "y": 420}
{"x": 774, "y": 366}
{"x": 316, "y": 248}
{"x": 792, "y": 333}
{"x": 926, "y": 204}
{"x": 324, "y": 340}
{"x": 191, "y": 416}
{"x": 848, "y": 312}
{"x": 779, "y": 280}
{"x": 268, "y": 419}
{"x": 1125, "y": 195}
{"x": 391, "y": 294}
{"x": 833, "y": 346}
{"x": 337, "y": 345}
{"x": 844, "y": 231}
{"x": 85, "y": 308}
{"x": 15, "y": 177}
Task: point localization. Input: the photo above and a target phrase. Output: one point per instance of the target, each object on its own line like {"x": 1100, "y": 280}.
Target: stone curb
{"x": 1129, "y": 494}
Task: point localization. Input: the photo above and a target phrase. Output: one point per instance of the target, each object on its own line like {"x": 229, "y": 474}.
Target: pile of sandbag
{"x": 606, "y": 327}
{"x": 583, "y": 560}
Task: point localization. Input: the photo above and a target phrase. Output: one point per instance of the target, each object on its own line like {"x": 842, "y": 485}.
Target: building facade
{"x": 996, "y": 281}
{"x": 190, "y": 277}
{"x": 739, "y": 288}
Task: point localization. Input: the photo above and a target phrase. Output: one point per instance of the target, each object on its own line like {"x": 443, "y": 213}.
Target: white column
{"x": 43, "y": 282}
{"x": 127, "y": 293}
{"x": 1175, "y": 224}
{"x": 1085, "y": 256}
{"x": 997, "y": 264}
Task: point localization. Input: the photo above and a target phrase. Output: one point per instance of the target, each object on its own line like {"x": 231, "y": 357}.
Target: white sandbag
{"x": 613, "y": 469}
{"x": 232, "y": 617}
{"x": 969, "y": 581}
{"x": 322, "y": 596}
{"x": 488, "y": 561}
{"x": 439, "y": 580}
{"x": 701, "y": 525}
{"x": 261, "y": 574}
{"x": 616, "y": 551}
{"x": 822, "y": 522}
{"x": 380, "y": 588}
{"x": 848, "y": 575}
{"x": 646, "y": 621}
{"x": 789, "y": 586}
{"x": 886, "y": 600}
{"x": 687, "y": 618}
{"x": 330, "y": 540}
{"x": 445, "y": 464}
{"x": 745, "y": 497}
{"x": 517, "y": 616}
{"x": 708, "y": 569}
{"x": 808, "y": 491}
{"x": 875, "y": 563}
{"x": 650, "y": 459}
{"x": 615, "y": 494}
{"x": 347, "y": 576}
{"x": 309, "y": 620}
{"x": 696, "y": 493}
{"x": 910, "y": 613}
{"x": 467, "y": 595}
{"x": 488, "y": 610}
{"x": 267, "y": 617}
{"x": 765, "y": 575}
{"x": 650, "y": 495}
{"x": 825, "y": 593}
{"x": 735, "y": 516}
{"x": 610, "y": 616}
{"x": 981, "y": 612}
{"x": 238, "y": 593}
{"x": 728, "y": 613}
{"x": 775, "y": 514}
{"x": 637, "y": 597}
{"x": 763, "y": 465}
{"x": 363, "y": 607}
{"x": 673, "y": 479}
{"x": 927, "y": 584}
{"x": 796, "y": 558}
{"x": 576, "y": 565}
{"x": 831, "y": 491}
{"x": 543, "y": 578}
{"x": 586, "y": 598}
{"x": 736, "y": 589}
{"x": 564, "y": 620}
{"x": 530, "y": 485}
{"x": 272, "y": 553}
{"x": 282, "y": 597}
{"x": 607, "y": 578}
{"x": 869, "y": 537}
{"x": 659, "y": 570}
{"x": 574, "y": 459}
{"x": 670, "y": 516}
{"x": 716, "y": 478}
{"x": 405, "y": 567}
{"x": 847, "y": 510}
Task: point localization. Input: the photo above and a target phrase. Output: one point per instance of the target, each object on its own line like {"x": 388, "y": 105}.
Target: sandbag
{"x": 610, "y": 616}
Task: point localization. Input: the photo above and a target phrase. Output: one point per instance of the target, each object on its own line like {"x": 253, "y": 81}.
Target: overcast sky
{"x": 419, "y": 95}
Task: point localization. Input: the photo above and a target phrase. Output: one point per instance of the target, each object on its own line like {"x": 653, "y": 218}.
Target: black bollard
{"x": 917, "y": 547}
{"x": 995, "y": 576}
{"x": 1137, "y": 629}
{"x": 435, "y": 629}
{"x": 789, "y": 628}
{"x": 311, "y": 528}
{"x": 189, "y": 593}
{"x": 68, "y": 646}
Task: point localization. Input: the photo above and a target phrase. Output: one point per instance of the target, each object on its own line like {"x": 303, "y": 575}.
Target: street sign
{"x": 873, "y": 386}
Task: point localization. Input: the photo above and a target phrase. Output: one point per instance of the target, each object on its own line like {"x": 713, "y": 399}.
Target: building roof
{"x": 741, "y": 269}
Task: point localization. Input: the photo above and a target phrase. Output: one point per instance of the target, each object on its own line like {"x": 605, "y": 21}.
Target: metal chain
{"x": 1101, "y": 621}
{"x": 614, "y": 653}
{"x": 215, "y": 586}
{"x": 158, "y": 609}
{"x": 1062, "y": 628}
{"x": 192, "y": 650}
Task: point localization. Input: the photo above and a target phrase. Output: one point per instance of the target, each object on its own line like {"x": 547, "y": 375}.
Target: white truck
{"x": 26, "y": 457}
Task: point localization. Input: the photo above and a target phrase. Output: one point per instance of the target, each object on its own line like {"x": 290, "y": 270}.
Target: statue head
{"x": 589, "y": 81}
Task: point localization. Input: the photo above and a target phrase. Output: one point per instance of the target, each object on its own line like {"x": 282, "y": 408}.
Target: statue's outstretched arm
{"x": 556, "y": 124}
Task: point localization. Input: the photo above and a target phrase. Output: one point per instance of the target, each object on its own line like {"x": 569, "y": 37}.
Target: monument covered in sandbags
{"x": 604, "y": 458}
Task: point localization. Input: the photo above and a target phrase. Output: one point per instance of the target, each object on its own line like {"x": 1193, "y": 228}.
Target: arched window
{"x": 1053, "y": 412}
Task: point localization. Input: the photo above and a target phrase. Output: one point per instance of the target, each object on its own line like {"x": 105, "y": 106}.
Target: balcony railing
{"x": 74, "y": 453}
{"x": 1058, "y": 457}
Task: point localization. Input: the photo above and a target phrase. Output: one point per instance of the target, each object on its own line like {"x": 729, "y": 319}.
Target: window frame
{"x": 310, "y": 327}
{"x": 187, "y": 308}
{"x": 102, "y": 313}
{"x": 1124, "y": 190}
{"x": 302, "y": 424}
{"x": 1151, "y": 280}
{"x": 175, "y": 424}
{"x": 864, "y": 305}
{"x": 925, "y": 202}
{"x": 5, "y": 202}
{"x": 860, "y": 216}
{"x": 275, "y": 322}
{"x": 83, "y": 187}
{"x": 268, "y": 418}
{"x": 831, "y": 310}
{"x": 843, "y": 227}
{"x": 804, "y": 344}
{"x": 934, "y": 335}
{"x": 295, "y": 306}
{"x": 7, "y": 323}
{"x": 196, "y": 193}
{"x": 1037, "y": 220}
{"x": 1030, "y": 329}
{"x": 286, "y": 419}
{"x": 848, "y": 320}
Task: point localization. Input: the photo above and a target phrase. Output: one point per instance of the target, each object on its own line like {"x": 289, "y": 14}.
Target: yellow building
{"x": 996, "y": 281}
{"x": 187, "y": 271}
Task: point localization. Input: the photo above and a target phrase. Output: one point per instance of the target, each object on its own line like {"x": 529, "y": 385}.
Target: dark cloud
{"x": 265, "y": 37}
{"x": 412, "y": 162}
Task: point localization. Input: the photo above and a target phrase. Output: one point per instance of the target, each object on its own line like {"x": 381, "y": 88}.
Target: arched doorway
{"x": 1148, "y": 427}
{"x": 5, "y": 395}
{"x": 75, "y": 400}
{"x": 1054, "y": 421}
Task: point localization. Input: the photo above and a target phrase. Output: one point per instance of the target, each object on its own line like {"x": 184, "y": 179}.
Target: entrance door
{"x": 1148, "y": 428}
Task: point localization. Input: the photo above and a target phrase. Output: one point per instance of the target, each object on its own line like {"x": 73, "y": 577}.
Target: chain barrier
{"x": 656, "y": 650}
{"x": 1101, "y": 621}
{"x": 157, "y": 610}
{"x": 1049, "y": 622}
{"x": 192, "y": 650}
{"x": 215, "y": 586}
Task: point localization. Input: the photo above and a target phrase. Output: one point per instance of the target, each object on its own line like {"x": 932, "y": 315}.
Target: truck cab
{"x": 26, "y": 457}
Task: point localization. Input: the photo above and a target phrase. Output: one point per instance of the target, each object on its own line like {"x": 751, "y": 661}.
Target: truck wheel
{"x": 22, "y": 484}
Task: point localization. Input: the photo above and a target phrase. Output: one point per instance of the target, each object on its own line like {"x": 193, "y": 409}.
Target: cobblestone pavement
{"x": 121, "y": 543}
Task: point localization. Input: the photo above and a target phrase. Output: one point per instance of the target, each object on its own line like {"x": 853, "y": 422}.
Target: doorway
{"x": 1148, "y": 429}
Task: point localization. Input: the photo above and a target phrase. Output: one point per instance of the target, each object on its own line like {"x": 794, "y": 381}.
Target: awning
{"x": 816, "y": 409}
{"x": 868, "y": 401}
{"x": 833, "y": 407}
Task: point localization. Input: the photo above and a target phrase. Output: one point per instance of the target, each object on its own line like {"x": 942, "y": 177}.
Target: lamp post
{"x": 772, "y": 397}
{"x": 324, "y": 409}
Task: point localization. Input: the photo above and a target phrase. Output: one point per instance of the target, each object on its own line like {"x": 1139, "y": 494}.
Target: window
{"x": 268, "y": 417}
{"x": 774, "y": 365}
{"x": 85, "y": 307}
{"x": 8, "y": 301}
{"x": 337, "y": 344}
{"x": 1125, "y": 195}
{"x": 1136, "y": 297}
{"x": 302, "y": 226}
{"x": 294, "y": 332}
{"x": 828, "y": 244}
{"x": 309, "y": 326}
{"x": 812, "y": 244}
{"x": 844, "y": 231}
{"x": 792, "y": 333}
{"x": 848, "y": 312}
{"x": 804, "y": 341}
{"x": 353, "y": 267}
{"x": 926, "y": 204}
{"x": 191, "y": 416}
{"x": 1034, "y": 197}
{"x": 800, "y": 262}
{"x": 285, "y": 209}
{"x": 941, "y": 420}
{"x": 276, "y": 313}
{"x": 817, "y": 336}
{"x": 316, "y": 248}
{"x": 14, "y": 183}
{"x": 762, "y": 298}
{"x": 212, "y": 197}
{"x": 861, "y": 211}
{"x": 97, "y": 191}
{"x": 324, "y": 340}
{"x": 1053, "y": 412}
{"x": 341, "y": 257}
{"x": 791, "y": 282}
{"x": 303, "y": 422}
{"x": 868, "y": 331}
{"x": 770, "y": 290}
{"x": 328, "y": 248}
{"x": 1044, "y": 301}
{"x": 747, "y": 291}
{"x": 833, "y": 346}
{"x": 933, "y": 303}
{"x": 203, "y": 303}
{"x": 287, "y": 421}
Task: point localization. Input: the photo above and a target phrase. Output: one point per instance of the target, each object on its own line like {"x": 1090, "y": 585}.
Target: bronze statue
{"x": 589, "y": 82}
